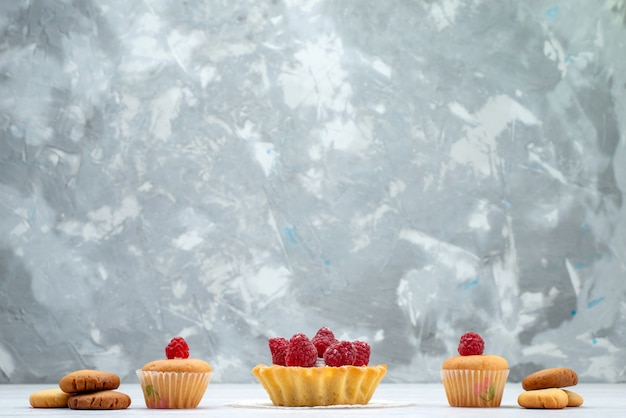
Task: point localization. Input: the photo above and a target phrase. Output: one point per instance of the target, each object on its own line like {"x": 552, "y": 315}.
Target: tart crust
{"x": 319, "y": 386}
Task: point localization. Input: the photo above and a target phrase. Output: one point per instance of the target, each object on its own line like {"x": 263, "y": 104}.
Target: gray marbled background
{"x": 400, "y": 171}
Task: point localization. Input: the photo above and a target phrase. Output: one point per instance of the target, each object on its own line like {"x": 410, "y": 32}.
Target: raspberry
{"x": 362, "y": 350}
{"x": 278, "y": 348}
{"x": 471, "y": 344}
{"x": 322, "y": 339}
{"x": 340, "y": 353}
{"x": 177, "y": 348}
{"x": 300, "y": 352}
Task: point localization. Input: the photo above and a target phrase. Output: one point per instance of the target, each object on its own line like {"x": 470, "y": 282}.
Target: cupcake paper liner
{"x": 169, "y": 390}
{"x": 474, "y": 388}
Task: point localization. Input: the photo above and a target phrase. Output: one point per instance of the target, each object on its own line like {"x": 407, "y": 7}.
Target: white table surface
{"x": 407, "y": 400}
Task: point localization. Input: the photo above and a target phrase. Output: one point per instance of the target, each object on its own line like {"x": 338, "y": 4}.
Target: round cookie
{"x": 88, "y": 381}
{"x": 557, "y": 377}
{"x": 543, "y": 399}
{"x": 49, "y": 398}
{"x": 106, "y": 399}
{"x": 573, "y": 398}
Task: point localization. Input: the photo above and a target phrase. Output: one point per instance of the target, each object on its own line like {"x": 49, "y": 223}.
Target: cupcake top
{"x": 177, "y": 353}
{"x": 471, "y": 357}
{"x": 476, "y": 362}
{"x": 189, "y": 365}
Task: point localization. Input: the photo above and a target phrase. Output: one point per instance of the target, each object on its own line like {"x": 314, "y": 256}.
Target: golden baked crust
{"x": 189, "y": 365}
{"x": 320, "y": 386}
{"x": 477, "y": 362}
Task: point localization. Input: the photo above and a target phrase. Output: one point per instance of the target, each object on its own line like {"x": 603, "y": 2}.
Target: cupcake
{"x": 474, "y": 379}
{"x": 178, "y": 382}
{"x": 319, "y": 372}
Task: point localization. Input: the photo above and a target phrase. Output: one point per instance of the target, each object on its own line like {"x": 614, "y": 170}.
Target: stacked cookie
{"x": 83, "y": 389}
{"x": 543, "y": 389}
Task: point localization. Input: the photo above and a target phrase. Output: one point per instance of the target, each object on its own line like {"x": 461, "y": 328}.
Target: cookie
{"x": 573, "y": 398}
{"x": 106, "y": 399}
{"x": 88, "y": 381}
{"x": 49, "y": 398}
{"x": 557, "y": 377}
{"x": 543, "y": 399}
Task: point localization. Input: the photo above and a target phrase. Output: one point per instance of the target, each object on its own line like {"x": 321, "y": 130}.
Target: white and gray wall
{"x": 399, "y": 171}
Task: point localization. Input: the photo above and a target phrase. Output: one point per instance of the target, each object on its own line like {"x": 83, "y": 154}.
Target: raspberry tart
{"x": 178, "y": 382}
{"x": 474, "y": 379}
{"x": 321, "y": 371}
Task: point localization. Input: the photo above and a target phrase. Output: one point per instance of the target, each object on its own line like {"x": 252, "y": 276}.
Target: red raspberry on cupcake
{"x": 177, "y": 348}
{"x": 471, "y": 344}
